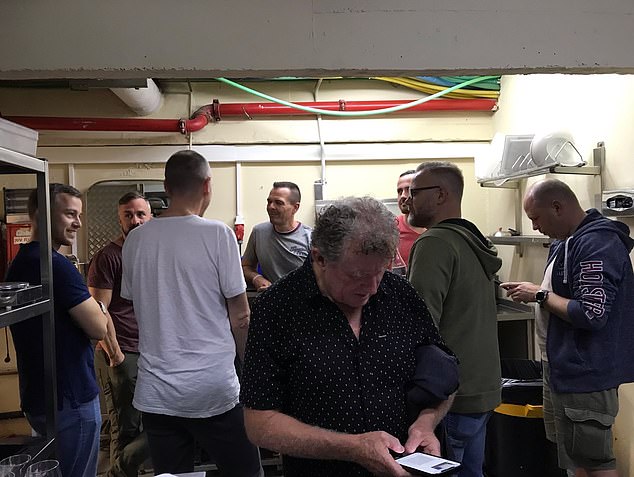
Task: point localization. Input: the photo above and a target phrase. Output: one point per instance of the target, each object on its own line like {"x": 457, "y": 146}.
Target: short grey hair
{"x": 447, "y": 172}
{"x": 184, "y": 171}
{"x": 363, "y": 223}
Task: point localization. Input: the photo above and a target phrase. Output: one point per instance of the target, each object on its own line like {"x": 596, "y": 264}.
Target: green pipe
{"x": 349, "y": 114}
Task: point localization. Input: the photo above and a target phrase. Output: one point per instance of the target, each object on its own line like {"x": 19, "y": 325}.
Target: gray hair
{"x": 362, "y": 223}
{"x": 184, "y": 171}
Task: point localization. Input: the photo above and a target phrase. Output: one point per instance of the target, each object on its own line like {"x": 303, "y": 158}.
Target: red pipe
{"x": 253, "y": 109}
{"x": 215, "y": 112}
{"x": 95, "y": 124}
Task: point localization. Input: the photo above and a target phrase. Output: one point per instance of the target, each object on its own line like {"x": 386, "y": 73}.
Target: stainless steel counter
{"x": 510, "y": 311}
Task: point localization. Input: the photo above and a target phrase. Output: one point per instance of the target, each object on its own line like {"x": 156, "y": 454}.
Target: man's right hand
{"x": 117, "y": 359}
{"x": 260, "y": 283}
{"x": 373, "y": 452}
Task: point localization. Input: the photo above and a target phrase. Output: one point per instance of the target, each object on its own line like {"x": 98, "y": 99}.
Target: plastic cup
{"x": 14, "y": 464}
{"x": 44, "y": 468}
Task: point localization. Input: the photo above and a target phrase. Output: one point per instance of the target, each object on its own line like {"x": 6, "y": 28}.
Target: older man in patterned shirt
{"x": 330, "y": 349}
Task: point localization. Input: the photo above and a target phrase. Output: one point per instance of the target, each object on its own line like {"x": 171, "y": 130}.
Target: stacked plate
{"x": 17, "y": 293}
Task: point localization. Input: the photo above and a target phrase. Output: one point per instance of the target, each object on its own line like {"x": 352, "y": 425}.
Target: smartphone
{"x": 428, "y": 464}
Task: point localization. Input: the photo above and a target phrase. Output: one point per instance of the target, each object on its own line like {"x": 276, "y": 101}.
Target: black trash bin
{"x": 516, "y": 444}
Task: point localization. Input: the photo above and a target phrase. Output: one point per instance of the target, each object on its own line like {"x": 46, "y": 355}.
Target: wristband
{"x": 253, "y": 279}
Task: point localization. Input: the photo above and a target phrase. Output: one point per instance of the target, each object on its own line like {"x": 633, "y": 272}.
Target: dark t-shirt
{"x": 105, "y": 272}
{"x": 75, "y": 367}
{"x": 303, "y": 359}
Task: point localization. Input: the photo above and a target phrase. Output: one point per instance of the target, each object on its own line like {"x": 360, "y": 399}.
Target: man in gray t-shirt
{"x": 280, "y": 245}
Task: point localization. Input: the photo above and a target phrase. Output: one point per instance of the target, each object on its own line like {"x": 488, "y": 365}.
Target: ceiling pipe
{"x": 216, "y": 111}
{"x": 143, "y": 101}
{"x": 274, "y": 109}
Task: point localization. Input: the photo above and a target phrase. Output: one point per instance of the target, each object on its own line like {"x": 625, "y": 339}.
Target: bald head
{"x": 546, "y": 191}
{"x": 553, "y": 208}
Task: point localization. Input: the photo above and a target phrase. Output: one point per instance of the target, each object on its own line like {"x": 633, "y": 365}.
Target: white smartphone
{"x": 428, "y": 464}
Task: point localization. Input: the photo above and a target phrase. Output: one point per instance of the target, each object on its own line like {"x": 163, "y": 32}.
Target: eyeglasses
{"x": 413, "y": 190}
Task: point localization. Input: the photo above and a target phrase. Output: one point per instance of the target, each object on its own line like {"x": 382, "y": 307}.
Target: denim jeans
{"x": 77, "y": 437}
{"x": 466, "y": 435}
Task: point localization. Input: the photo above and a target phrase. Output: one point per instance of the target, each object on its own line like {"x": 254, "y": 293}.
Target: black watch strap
{"x": 541, "y": 296}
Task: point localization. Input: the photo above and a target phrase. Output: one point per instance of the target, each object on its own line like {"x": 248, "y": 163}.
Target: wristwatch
{"x": 541, "y": 297}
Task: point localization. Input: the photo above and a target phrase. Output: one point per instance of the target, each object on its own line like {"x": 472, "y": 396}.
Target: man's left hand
{"x": 426, "y": 440}
{"x": 521, "y": 291}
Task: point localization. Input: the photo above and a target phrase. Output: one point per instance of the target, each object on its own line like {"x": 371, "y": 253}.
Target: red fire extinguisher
{"x": 238, "y": 228}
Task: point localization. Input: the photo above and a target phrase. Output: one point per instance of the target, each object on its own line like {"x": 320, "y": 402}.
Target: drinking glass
{"x": 44, "y": 468}
{"x": 14, "y": 464}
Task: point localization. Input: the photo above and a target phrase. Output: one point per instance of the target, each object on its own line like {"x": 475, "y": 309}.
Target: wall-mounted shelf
{"x": 515, "y": 181}
{"x": 512, "y": 181}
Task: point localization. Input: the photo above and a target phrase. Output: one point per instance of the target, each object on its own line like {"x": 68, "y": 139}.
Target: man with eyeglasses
{"x": 406, "y": 232}
{"x": 452, "y": 266}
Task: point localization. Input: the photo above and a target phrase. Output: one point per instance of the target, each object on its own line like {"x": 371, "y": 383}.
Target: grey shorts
{"x": 581, "y": 424}
{"x": 549, "y": 412}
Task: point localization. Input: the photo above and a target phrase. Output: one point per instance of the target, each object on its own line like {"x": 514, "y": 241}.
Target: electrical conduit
{"x": 216, "y": 111}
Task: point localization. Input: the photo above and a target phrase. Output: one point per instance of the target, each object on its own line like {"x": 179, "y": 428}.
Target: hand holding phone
{"x": 427, "y": 464}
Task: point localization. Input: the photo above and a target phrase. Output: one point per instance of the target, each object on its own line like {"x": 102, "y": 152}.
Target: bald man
{"x": 585, "y": 318}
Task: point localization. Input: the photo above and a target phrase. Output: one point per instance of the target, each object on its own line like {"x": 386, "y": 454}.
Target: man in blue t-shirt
{"x": 78, "y": 318}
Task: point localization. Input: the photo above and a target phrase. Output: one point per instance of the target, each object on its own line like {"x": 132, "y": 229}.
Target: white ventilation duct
{"x": 143, "y": 101}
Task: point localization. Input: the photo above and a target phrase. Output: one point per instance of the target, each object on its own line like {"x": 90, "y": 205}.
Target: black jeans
{"x": 172, "y": 443}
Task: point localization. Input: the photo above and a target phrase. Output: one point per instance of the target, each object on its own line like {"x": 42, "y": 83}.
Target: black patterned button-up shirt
{"x": 303, "y": 359}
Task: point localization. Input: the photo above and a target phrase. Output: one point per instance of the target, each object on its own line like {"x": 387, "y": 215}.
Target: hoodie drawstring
{"x": 566, "y": 259}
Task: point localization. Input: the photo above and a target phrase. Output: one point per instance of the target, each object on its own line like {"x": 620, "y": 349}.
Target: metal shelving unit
{"x": 514, "y": 182}
{"x": 12, "y": 162}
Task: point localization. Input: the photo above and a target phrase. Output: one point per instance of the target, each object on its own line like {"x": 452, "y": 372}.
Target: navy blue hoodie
{"x": 593, "y": 269}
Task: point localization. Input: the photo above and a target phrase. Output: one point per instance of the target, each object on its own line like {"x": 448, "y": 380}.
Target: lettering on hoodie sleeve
{"x": 593, "y": 295}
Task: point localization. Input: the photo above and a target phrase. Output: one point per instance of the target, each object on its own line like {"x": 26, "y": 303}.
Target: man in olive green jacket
{"x": 452, "y": 266}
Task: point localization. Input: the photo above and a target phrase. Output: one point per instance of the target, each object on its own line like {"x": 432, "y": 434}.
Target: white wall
{"x": 593, "y": 108}
{"x": 363, "y": 155}
{"x": 242, "y": 38}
